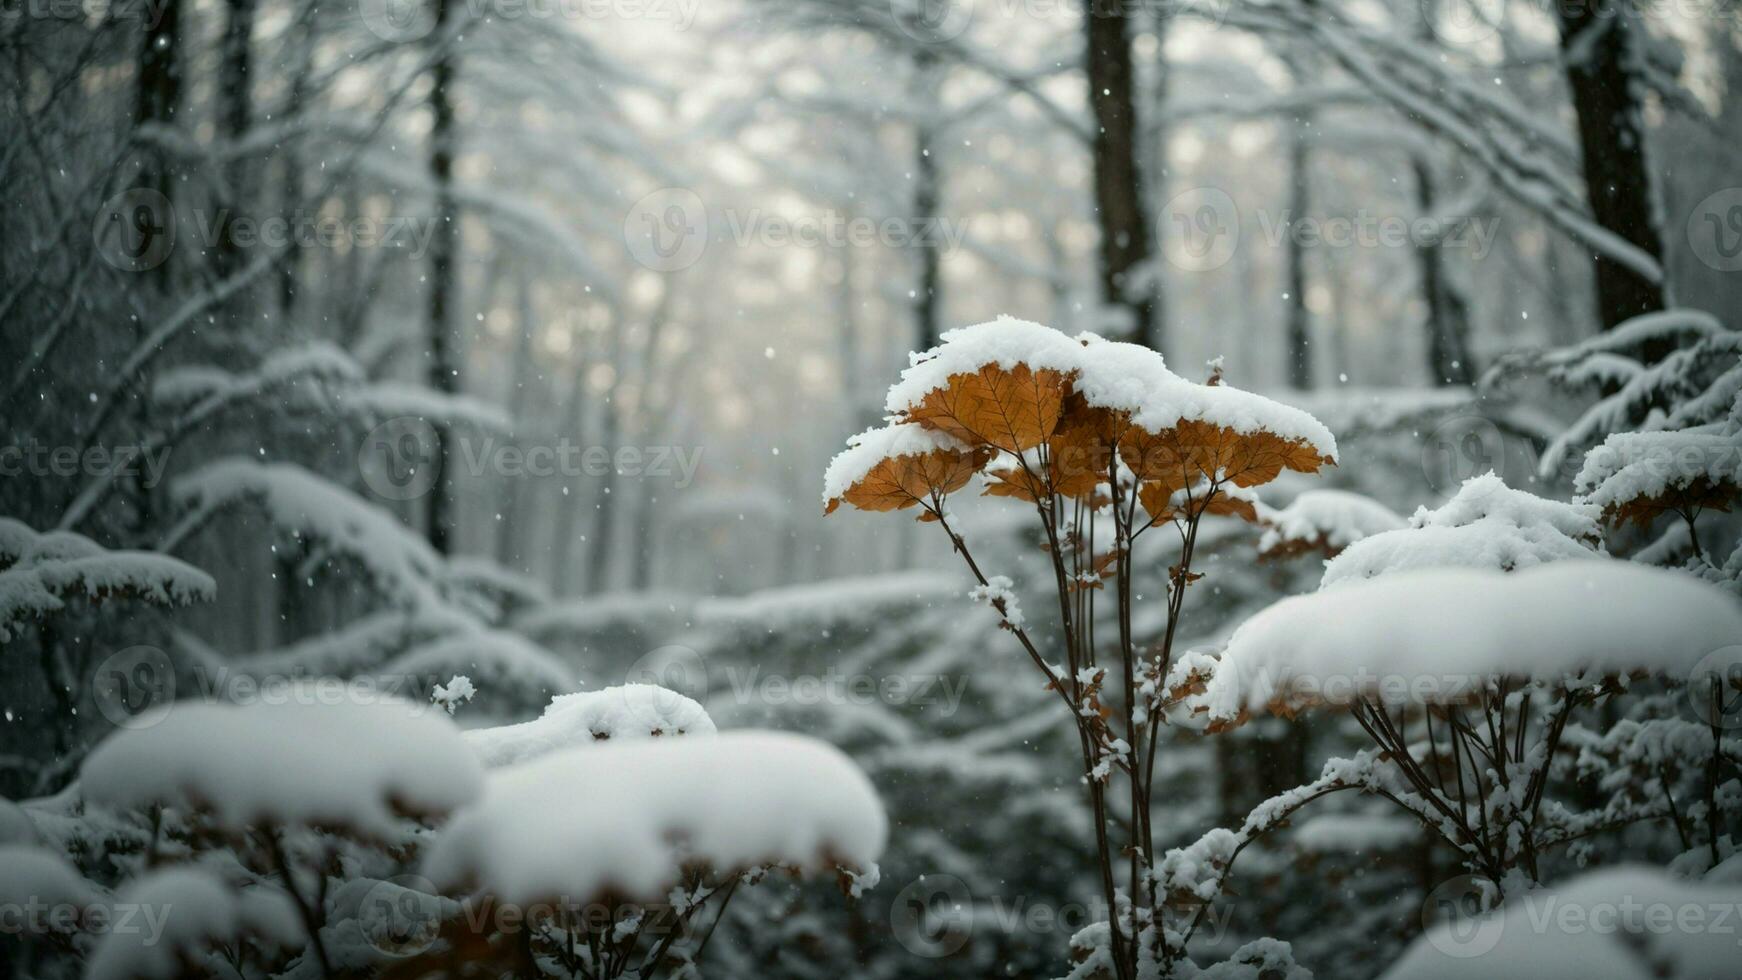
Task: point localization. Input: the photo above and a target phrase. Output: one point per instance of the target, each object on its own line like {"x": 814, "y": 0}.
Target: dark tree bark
{"x": 1299, "y": 321}
{"x": 1448, "y": 322}
{"x": 444, "y": 355}
{"x": 926, "y": 192}
{"x": 1601, "y": 47}
{"x": 160, "y": 70}
{"x": 235, "y": 112}
{"x": 156, "y": 101}
{"x": 1124, "y": 249}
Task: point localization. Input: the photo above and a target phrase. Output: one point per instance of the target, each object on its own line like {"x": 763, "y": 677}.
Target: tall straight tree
{"x": 444, "y": 355}
{"x": 1447, "y": 316}
{"x": 236, "y": 110}
{"x": 1603, "y": 51}
{"x": 1126, "y": 282}
{"x": 926, "y": 191}
{"x": 156, "y": 100}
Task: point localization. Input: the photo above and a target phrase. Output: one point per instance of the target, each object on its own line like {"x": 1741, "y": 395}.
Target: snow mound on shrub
{"x": 1486, "y": 525}
{"x": 1433, "y": 636}
{"x": 299, "y": 756}
{"x": 182, "y": 913}
{"x": 626, "y": 818}
{"x": 1624, "y": 923}
{"x": 632, "y": 711}
{"x": 1335, "y": 518}
{"x": 30, "y": 874}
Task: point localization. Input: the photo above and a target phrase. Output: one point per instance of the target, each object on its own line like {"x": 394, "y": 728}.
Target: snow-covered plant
{"x": 1465, "y": 682}
{"x": 1325, "y": 521}
{"x": 40, "y": 572}
{"x": 618, "y": 855}
{"x": 1662, "y": 441}
{"x": 1105, "y": 444}
{"x": 1485, "y": 524}
{"x": 318, "y": 835}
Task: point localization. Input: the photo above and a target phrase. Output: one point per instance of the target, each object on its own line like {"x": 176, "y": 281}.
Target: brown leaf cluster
{"x": 1702, "y": 494}
{"x": 1010, "y": 413}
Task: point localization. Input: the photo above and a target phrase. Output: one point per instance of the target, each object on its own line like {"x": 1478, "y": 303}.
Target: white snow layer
{"x": 865, "y": 450}
{"x": 1337, "y": 517}
{"x": 183, "y": 912}
{"x": 309, "y": 754}
{"x": 1643, "y": 465}
{"x": 627, "y": 818}
{"x": 1435, "y": 635}
{"x": 632, "y": 711}
{"x": 1485, "y": 525}
{"x": 1623, "y": 923}
{"x": 1119, "y": 376}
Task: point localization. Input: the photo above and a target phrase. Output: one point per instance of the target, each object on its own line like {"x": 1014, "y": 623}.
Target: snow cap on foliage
{"x": 625, "y": 819}
{"x": 1004, "y": 343}
{"x": 1436, "y": 636}
{"x": 1637, "y": 475}
{"x": 38, "y": 572}
{"x": 875, "y": 448}
{"x": 631, "y": 711}
{"x": 1630, "y": 925}
{"x": 399, "y": 562}
{"x": 1327, "y": 520}
{"x": 185, "y": 912}
{"x": 305, "y": 755}
{"x": 498, "y": 660}
{"x": 1485, "y": 525}
{"x": 1132, "y": 378}
{"x": 34, "y": 875}
{"x": 1026, "y": 392}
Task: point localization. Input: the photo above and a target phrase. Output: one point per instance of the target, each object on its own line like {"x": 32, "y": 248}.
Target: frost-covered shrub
{"x": 1105, "y": 444}
{"x": 300, "y": 836}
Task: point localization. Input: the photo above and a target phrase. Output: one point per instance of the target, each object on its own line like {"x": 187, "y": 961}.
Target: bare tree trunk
{"x": 563, "y": 562}
{"x": 1299, "y": 321}
{"x": 925, "y": 199}
{"x": 1601, "y": 48}
{"x": 1126, "y": 282}
{"x": 1448, "y": 321}
{"x": 235, "y": 117}
{"x": 519, "y": 404}
{"x": 156, "y": 101}
{"x": 444, "y": 357}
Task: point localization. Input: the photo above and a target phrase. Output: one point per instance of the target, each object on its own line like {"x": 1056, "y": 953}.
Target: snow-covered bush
{"x": 1105, "y": 443}
{"x": 300, "y": 836}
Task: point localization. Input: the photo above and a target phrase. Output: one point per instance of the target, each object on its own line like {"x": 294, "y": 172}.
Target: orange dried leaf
{"x": 1013, "y": 410}
{"x": 903, "y": 481}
